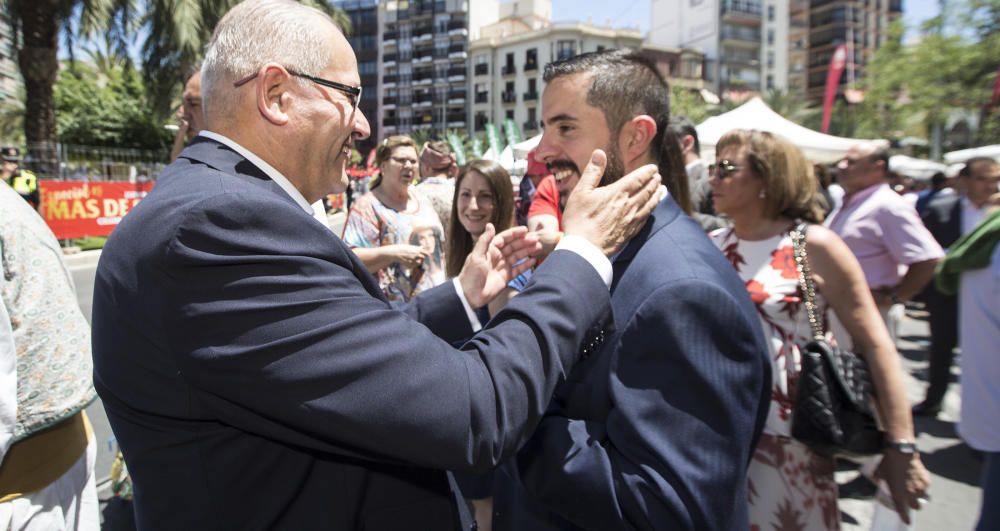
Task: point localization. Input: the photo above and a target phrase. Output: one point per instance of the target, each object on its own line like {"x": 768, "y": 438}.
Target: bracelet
{"x": 903, "y": 446}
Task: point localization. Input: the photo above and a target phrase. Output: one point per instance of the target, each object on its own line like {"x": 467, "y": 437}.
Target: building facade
{"x": 10, "y": 75}
{"x": 364, "y": 38}
{"x": 863, "y": 25}
{"x": 423, "y": 51}
{"x": 508, "y": 60}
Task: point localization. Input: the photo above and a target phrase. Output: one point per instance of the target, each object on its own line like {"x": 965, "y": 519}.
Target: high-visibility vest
{"x": 25, "y": 183}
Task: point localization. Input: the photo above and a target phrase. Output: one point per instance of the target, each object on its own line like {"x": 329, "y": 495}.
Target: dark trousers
{"x": 944, "y": 337}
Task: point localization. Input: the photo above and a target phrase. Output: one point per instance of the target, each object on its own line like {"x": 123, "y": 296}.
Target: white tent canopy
{"x": 916, "y": 169}
{"x": 755, "y": 114}
{"x": 955, "y": 157}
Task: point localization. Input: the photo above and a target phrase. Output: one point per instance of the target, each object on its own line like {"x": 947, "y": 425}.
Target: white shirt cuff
{"x": 590, "y": 253}
{"x": 469, "y": 312}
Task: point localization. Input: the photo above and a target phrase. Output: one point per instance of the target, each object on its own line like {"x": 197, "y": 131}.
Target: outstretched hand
{"x": 609, "y": 216}
{"x": 495, "y": 260}
{"x": 907, "y": 480}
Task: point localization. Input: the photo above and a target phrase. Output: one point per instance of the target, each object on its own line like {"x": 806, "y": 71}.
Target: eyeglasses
{"x": 353, "y": 92}
{"x": 403, "y": 161}
{"x": 723, "y": 169}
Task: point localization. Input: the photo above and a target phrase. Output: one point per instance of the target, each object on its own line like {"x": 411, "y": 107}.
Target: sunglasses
{"x": 723, "y": 169}
{"x": 354, "y": 93}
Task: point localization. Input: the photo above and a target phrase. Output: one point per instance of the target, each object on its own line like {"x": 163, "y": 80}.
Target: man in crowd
{"x": 896, "y": 252}
{"x": 252, "y": 372}
{"x": 437, "y": 178}
{"x": 972, "y": 269}
{"x": 525, "y": 194}
{"x": 22, "y": 181}
{"x": 190, "y": 114}
{"x": 47, "y": 476}
{"x": 655, "y": 429}
{"x": 701, "y": 193}
{"x": 949, "y": 217}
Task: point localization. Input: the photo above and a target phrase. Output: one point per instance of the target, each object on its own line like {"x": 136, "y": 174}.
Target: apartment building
{"x": 423, "y": 50}
{"x": 754, "y": 45}
{"x": 861, "y": 24}
{"x": 364, "y": 38}
{"x": 10, "y": 75}
{"x": 507, "y": 67}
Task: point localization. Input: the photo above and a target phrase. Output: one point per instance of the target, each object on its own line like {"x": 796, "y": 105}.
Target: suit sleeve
{"x": 686, "y": 391}
{"x": 276, "y": 335}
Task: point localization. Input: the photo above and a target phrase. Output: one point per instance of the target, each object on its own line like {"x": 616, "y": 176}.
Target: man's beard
{"x": 615, "y": 169}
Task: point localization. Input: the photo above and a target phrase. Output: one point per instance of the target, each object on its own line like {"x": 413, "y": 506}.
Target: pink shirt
{"x": 885, "y": 234}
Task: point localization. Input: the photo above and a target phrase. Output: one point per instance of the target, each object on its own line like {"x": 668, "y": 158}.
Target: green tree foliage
{"x": 106, "y": 108}
{"x": 910, "y": 89}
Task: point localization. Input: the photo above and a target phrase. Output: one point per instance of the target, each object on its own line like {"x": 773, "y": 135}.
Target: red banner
{"x": 837, "y": 64}
{"x": 74, "y": 209}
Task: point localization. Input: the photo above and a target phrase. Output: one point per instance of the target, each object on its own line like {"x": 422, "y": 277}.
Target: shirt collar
{"x": 274, "y": 174}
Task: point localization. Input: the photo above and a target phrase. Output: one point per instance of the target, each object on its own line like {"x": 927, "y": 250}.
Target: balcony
{"x": 423, "y": 29}
{"x": 530, "y": 66}
{"x": 389, "y": 100}
{"x": 508, "y": 96}
{"x": 741, "y": 35}
{"x": 458, "y": 23}
{"x": 423, "y": 79}
{"x": 530, "y": 96}
{"x": 389, "y": 59}
{"x": 390, "y": 80}
{"x": 482, "y": 97}
{"x": 423, "y": 57}
{"x": 530, "y": 125}
{"x": 508, "y": 70}
{"x": 741, "y": 12}
{"x": 456, "y": 98}
{"x": 389, "y": 38}
{"x": 482, "y": 69}
{"x": 455, "y": 117}
{"x": 456, "y": 74}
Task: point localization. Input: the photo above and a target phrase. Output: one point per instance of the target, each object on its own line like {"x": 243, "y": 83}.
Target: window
{"x": 531, "y": 59}
{"x": 510, "y": 114}
{"x": 770, "y": 13}
{"x": 532, "y": 85}
{"x": 770, "y": 37}
{"x": 532, "y": 118}
{"x": 565, "y": 50}
{"x": 770, "y": 59}
{"x": 770, "y": 82}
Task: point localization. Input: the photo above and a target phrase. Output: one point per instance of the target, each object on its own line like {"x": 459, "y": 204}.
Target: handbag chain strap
{"x": 798, "y": 235}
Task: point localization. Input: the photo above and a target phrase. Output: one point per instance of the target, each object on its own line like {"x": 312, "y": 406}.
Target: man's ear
{"x": 273, "y": 94}
{"x": 687, "y": 144}
{"x": 637, "y": 137}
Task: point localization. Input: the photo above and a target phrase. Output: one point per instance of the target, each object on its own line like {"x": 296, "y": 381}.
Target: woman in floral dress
{"x": 766, "y": 186}
{"x": 381, "y": 222}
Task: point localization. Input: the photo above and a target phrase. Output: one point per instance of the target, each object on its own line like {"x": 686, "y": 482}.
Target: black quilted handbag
{"x": 832, "y": 412}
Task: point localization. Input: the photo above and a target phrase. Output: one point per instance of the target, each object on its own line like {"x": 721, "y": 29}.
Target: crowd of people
{"x": 613, "y": 341}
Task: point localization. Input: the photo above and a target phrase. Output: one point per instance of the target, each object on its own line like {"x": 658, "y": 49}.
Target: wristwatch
{"x": 903, "y": 446}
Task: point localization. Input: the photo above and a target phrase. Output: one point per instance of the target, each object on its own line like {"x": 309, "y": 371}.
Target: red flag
{"x": 837, "y": 64}
{"x": 995, "y": 100}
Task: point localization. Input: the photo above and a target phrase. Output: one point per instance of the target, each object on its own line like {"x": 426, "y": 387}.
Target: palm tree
{"x": 177, "y": 33}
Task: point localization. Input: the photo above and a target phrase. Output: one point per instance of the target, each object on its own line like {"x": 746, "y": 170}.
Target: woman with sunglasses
{"x": 766, "y": 187}
{"x": 380, "y": 223}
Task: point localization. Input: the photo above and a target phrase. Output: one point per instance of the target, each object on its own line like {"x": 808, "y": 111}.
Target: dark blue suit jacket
{"x": 255, "y": 378}
{"x": 656, "y": 428}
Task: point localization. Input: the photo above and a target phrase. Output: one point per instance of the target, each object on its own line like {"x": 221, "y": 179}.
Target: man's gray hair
{"x": 257, "y": 32}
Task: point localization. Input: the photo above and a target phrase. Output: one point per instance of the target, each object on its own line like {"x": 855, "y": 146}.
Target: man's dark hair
{"x": 624, "y": 84}
{"x": 966, "y": 170}
{"x": 682, "y": 126}
{"x": 938, "y": 180}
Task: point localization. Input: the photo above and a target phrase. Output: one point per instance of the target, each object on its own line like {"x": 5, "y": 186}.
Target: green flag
{"x": 513, "y": 132}
{"x": 493, "y": 138}
{"x": 477, "y": 147}
{"x": 456, "y": 147}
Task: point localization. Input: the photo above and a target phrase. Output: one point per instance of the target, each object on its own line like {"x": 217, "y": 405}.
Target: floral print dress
{"x": 790, "y": 487}
{"x": 372, "y": 224}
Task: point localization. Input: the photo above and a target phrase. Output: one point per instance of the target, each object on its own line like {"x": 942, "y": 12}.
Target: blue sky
{"x": 636, "y": 12}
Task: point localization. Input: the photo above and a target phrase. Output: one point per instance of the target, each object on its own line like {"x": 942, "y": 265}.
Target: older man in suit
{"x": 252, "y": 372}
{"x": 948, "y": 217}
{"x": 654, "y": 429}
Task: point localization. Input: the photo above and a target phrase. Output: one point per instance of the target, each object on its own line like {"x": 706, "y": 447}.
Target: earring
{"x": 762, "y": 194}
